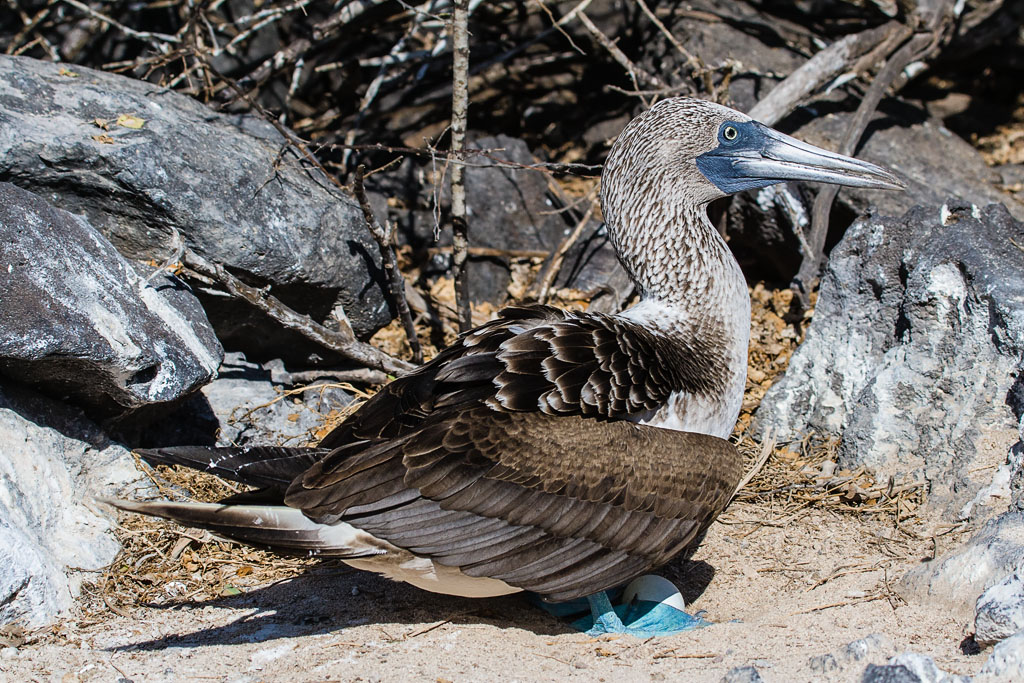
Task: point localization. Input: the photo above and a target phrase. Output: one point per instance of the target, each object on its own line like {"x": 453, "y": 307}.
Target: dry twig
{"x": 342, "y": 341}
{"x": 460, "y": 106}
{"x": 396, "y": 283}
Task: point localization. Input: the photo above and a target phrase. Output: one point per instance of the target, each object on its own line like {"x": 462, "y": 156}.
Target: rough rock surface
{"x": 247, "y": 406}
{"x": 252, "y": 411}
{"x": 913, "y": 355}
{"x": 852, "y": 656}
{"x": 1006, "y": 663}
{"x": 1000, "y": 610}
{"x": 78, "y": 321}
{"x": 955, "y": 580}
{"x": 54, "y": 461}
{"x": 217, "y": 180}
{"x": 923, "y": 668}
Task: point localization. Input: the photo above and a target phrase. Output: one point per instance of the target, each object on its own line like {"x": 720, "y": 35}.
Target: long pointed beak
{"x": 761, "y": 156}
{"x": 785, "y": 158}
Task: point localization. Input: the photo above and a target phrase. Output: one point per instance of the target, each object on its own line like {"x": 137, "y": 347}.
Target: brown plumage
{"x": 563, "y": 453}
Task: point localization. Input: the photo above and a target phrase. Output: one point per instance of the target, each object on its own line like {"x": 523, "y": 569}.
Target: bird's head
{"x": 699, "y": 151}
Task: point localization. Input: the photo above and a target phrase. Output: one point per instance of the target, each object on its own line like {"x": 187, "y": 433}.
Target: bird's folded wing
{"x": 564, "y": 506}
{"x": 542, "y": 359}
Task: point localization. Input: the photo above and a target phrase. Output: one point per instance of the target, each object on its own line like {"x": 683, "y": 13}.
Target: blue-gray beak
{"x": 752, "y": 155}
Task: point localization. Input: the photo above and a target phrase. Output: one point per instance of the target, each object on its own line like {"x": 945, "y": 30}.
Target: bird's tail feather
{"x": 265, "y": 466}
{"x": 275, "y": 527}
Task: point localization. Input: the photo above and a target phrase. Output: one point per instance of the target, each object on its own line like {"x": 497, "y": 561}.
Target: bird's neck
{"x": 676, "y": 258}
{"x": 693, "y": 292}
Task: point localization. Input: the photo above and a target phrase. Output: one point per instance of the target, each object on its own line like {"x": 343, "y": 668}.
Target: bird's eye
{"x": 730, "y": 133}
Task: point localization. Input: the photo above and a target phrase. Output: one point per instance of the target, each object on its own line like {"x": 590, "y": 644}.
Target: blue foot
{"x": 637, "y": 617}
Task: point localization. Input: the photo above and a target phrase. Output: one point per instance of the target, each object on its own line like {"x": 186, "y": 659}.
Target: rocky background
{"x": 187, "y": 253}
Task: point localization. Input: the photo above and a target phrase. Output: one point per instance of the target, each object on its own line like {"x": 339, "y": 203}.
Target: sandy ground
{"x": 780, "y": 594}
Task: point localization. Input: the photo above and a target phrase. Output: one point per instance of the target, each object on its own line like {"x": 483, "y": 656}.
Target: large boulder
{"x": 227, "y": 184}
{"x": 54, "y": 462}
{"x": 77, "y": 321}
{"x": 914, "y": 353}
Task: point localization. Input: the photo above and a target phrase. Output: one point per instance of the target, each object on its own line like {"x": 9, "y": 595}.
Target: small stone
{"x": 874, "y": 646}
{"x": 889, "y": 673}
{"x": 742, "y": 674}
{"x": 1000, "y": 610}
{"x": 8, "y": 652}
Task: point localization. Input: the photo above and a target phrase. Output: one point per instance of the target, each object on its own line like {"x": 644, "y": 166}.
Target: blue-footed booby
{"x": 557, "y": 452}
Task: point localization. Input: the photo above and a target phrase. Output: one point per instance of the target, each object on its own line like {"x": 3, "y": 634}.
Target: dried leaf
{"x": 103, "y": 139}
{"x": 130, "y": 121}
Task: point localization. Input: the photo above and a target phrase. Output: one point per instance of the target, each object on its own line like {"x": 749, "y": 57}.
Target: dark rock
{"x": 250, "y": 409}
{"x": 954, "y": 581}
{"x": 758, "y": 59}
{"x": 914, "y": 350}
{"x": 592, "y": 268}
{"x": 1000, "y": 610}
{"x": 509, "y": 209}
{"x": 77, "y": 320}
{"x": 54, "y": 463}
{"x": 219, "y": 181}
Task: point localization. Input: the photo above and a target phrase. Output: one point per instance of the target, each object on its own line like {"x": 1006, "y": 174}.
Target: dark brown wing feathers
{"x": 504, "y": 456}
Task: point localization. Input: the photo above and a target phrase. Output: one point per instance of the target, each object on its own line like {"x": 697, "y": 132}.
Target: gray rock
{"x": 54, "y": 462}
{"x": 215, "y": 179}
{"x": 253, "y": 411}
{"x": 77, "y": 321}
{"x": 925, "y": 668}
{"x": 1000, "y": 610}
{"x": 742, "y": 674}
{"x": 889, "y": 673}
{"x": 913, "y": 355}
{"x": 1006, "y": 663}
{"x": 872, "y": 647}
{"x": 954, "y": 581}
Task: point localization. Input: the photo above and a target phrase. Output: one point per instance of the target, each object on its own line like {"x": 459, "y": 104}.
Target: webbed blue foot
{"x": 651, "y": 606}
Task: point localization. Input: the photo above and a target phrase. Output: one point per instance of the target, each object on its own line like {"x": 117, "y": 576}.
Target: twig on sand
{"x": 342, "y": 341}
{"x": 396, "y": 283}
{"x": 767, "y": 446}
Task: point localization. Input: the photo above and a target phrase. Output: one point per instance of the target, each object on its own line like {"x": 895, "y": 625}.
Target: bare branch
{"x": 559, "y": 256}
{"x": 342, "y": 342}
{"x": 820, "y": 69}
{"x": 460, "y": 105}
{"x": 396, "y": 283}
{"x": 639, "y": 76}
{"x": 919, "y": 46}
